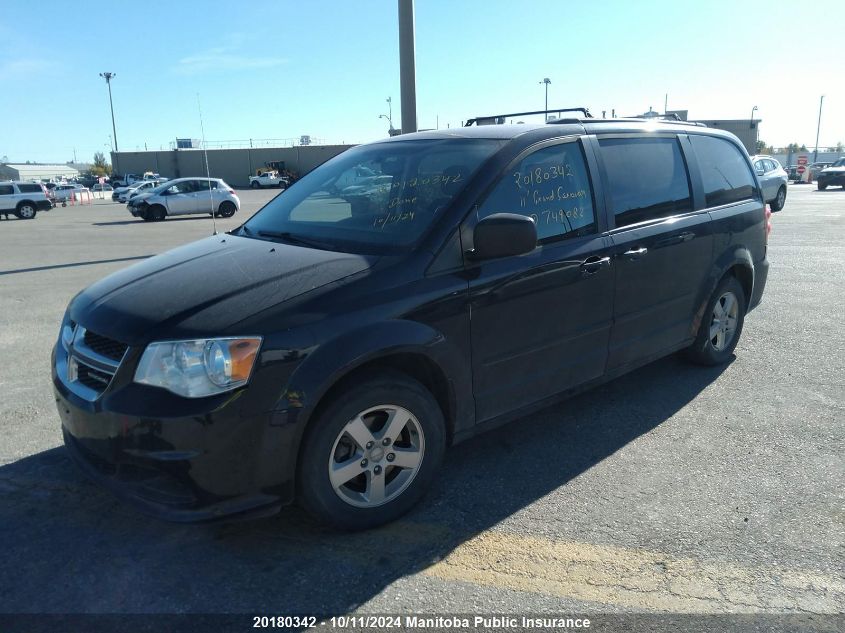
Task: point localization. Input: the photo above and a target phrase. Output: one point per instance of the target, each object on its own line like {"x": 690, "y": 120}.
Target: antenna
{"x": 207, "y": 172}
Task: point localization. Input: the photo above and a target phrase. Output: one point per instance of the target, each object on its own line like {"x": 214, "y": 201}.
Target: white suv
{"x": 23, "y": 199}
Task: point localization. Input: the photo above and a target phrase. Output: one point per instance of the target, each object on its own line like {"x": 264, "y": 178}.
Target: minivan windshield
{"x": 378, "y": 198}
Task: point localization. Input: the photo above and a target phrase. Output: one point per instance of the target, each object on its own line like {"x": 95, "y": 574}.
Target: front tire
{"x": 823, "y": 187}
{"x": 254, "y": 185}
{"x": 721, "y": 326}
{"x": 157, "y": 213}
{"x": 780, "y": 199}
{"x": 371, "y": 453}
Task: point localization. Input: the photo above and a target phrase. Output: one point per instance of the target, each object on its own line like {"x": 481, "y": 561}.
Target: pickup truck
{"x": 268, "y": 179}
{"x": 125, "y": 180}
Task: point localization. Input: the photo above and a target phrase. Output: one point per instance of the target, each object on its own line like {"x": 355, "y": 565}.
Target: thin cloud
{"x": 22, "y": 67}
{"x": 223, "y": 59}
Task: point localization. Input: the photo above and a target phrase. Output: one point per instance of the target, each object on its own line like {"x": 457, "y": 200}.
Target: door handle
{"x": 680, "y": 238}
{"x": 636, "y": 252}
{"x": 594, "y": 264}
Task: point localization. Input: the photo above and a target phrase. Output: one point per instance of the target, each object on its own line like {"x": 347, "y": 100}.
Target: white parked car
{"x": 62, "y": 193}
{"x": 139, "y": 187}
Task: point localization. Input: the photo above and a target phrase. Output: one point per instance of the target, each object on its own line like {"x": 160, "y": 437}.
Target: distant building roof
{"x": 39, "y": 166}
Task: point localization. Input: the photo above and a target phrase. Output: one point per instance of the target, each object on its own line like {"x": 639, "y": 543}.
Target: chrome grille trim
{"x": 97, "y": 370}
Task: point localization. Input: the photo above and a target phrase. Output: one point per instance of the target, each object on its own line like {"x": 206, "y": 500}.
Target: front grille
{"x": 105, "y": 346}
{"x": 91, "y": 362}
{"x": 93, "y": 378}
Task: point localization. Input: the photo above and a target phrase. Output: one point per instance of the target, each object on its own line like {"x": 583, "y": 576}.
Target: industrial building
{"x": 235, "y": 166}
{"x": 36, "y": 171}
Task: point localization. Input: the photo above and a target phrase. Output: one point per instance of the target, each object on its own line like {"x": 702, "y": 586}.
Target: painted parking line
{"x": 635, "y": 578}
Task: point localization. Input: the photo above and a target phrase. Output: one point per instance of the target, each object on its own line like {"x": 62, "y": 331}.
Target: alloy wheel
{"x": 376, "y": 456}
{"x": 723, "y": 321}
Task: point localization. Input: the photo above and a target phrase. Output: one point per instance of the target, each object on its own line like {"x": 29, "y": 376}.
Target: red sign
{"x": 801, "y": 169}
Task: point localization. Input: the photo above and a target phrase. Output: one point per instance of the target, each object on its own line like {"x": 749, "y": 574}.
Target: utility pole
{"x": 818, "y": 127}
{"x": 407, "y": 66}
{"x": 108, "y": 77}
{"x": 546, "y": 81}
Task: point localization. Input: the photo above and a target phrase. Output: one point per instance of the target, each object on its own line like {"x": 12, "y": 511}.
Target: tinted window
{"x": 724, "y": 171}
{"x": 25, "y": 188}
{"x": 6, "y": 190}
{"x": 551, "y": 185}
{"x": 647, "y": 178}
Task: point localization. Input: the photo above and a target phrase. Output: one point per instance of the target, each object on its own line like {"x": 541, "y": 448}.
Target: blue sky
{"x": 281, "y": 69}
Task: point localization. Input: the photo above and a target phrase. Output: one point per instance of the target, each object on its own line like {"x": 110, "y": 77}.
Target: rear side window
{"x": 647, "y": 178}
{"x": 550, "y": 185}
{"x": 27, "y": 188}
{"x": 6, "y": 190}
{"x": 725, "y": 172}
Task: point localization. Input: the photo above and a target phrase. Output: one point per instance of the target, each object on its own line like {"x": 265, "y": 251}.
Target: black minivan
{"x": 329, "y": 349}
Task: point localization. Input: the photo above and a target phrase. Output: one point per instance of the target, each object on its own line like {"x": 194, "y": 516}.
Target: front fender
{"x": 336, "y": 358}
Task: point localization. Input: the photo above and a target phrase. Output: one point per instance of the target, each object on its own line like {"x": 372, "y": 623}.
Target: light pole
{"x": 108, "y": 77}
{"x": 546, "y": 81}
{"x": 751, "y": 126}
{"x": 818, "y": 127}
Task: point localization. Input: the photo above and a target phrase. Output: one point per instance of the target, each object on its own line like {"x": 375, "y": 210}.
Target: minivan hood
{"x": 205, "y": 287}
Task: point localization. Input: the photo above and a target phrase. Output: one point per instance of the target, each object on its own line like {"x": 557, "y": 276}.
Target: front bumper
{"x": 831, "y": 180}
{"x": 204, "y": 460}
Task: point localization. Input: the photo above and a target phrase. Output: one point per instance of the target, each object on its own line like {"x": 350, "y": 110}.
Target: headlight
{"x": 198, "y": 368}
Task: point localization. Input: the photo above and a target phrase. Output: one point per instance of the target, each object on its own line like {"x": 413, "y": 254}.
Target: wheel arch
{"x": 736, "y": 262}
{"x": 26, "y": 201}
{"x": 408, "y": 347}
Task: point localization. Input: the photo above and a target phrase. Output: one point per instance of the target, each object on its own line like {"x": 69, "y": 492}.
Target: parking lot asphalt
{"x": 673, "y": 489}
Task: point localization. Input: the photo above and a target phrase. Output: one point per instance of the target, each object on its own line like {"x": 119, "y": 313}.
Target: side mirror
{"x": 504, "y": 235}
{"x": 760, "y": 172}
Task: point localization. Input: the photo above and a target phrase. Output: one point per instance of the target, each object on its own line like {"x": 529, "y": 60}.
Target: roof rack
{"x": 669, "y": 117}
{"x": 498, "y": 119}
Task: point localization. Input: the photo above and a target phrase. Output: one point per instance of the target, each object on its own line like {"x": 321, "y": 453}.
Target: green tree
{"x": 762, "y": 148}
{"x": 101, "y": 167}
{"x": 840, "y": 147}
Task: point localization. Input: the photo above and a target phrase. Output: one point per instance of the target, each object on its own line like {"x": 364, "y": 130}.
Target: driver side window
{"x": 551, "y": 186}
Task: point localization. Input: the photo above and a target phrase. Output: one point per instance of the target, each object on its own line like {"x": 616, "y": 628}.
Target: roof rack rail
{"x": 498, "y": 119}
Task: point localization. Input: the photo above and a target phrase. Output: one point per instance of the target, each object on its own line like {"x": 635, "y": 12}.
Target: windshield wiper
{"x": 297, "y": 239}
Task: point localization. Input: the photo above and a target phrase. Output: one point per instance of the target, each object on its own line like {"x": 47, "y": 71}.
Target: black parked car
{"x": 832, "y": 176}
{"x": 329, "y": 352}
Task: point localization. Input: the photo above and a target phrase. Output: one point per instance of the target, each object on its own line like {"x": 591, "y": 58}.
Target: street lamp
{"x": 108, "y": 77}
{"x": 389, "y": 117}
{"x": 818, "y": 127}
{"x": 751, "y": 126}
{"x": 546, "y": 81}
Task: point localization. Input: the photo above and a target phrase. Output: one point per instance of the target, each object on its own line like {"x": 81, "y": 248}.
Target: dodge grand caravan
{"x": 328, "y": 350}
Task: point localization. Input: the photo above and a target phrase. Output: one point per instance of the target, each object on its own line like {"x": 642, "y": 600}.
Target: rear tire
{"x": 721, "y": 325}
{"x": 371, "y": 452}
{"x": 780, "y": 199}
{"x": 226, "y": 209}
{"x": 823, "y": 187}
{"x": 26, "y": 211}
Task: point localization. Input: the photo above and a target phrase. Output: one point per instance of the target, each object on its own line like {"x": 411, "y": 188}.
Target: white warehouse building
{"x": 36, "y": 171}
